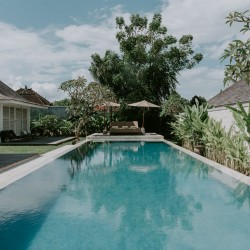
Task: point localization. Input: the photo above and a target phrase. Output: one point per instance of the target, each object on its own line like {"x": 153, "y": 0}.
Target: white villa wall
{"x": 225, "y": 116}
{"x": 227, "y": 120}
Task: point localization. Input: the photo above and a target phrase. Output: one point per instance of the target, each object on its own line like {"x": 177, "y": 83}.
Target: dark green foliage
{"x": 169, "y": 109}
{"x": 63, "y": 102}
{"x": 200, "y": 100}
{"x": 149, "y": 61}
{"x": 95, "y": 124}
{"x": 50, "y": 125}
{"x": 58, "y": 111}
{"x": 174, "y": 105}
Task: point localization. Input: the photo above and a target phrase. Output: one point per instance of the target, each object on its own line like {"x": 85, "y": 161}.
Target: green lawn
{"x": 31, "y": 149}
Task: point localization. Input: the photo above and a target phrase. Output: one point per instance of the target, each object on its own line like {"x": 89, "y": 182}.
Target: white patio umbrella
{"x": 110, "y": 104}
{"x": 143, "y": 104}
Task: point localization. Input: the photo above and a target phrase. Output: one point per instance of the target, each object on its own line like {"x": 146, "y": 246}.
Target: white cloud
{"x": 98, "y": 37}
{"x": 201, "y": 81}
{"x": 15, "y": 82}
{"x": 45, "y": 58}
{"x": 48, "y": 90}
{"x": 204, "y": 19}
{"x": 82, "y": 72}
{"x": 29, "y": 57}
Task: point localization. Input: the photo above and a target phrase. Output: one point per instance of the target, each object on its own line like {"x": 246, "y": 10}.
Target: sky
{"x": 46, "y": 42}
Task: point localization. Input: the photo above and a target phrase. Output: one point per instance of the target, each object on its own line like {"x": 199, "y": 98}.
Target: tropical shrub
{"x": 95, "y": 124}
{"x": 226, "y": 148}
{"x": 50, "y": 125}
{"x": 188, "y": 125}
{"x": 194, "y": 127}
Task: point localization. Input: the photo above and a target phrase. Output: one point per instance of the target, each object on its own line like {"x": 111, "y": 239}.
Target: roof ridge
{"x": 237, "y": 92}
{"x": 7, "y": 91}
{"x": 33, "y": 96}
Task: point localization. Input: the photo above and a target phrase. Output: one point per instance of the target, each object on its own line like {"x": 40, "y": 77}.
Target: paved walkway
{"x": 107, "y": 137}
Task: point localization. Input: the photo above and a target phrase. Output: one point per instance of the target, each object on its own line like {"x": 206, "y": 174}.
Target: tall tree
{"x": 238, "y": 52}
{"x": 148, "y": 63}
{"x": 83, "y": 100}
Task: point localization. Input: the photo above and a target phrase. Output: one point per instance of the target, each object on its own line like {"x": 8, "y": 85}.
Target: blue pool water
{"x": 125, "y": 196}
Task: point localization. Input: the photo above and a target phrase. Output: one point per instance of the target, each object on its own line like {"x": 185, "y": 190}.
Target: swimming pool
{"x": 125, "y": 195}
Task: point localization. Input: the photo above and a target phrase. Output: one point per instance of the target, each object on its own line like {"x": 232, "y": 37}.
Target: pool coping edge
{"x": 14, "y": 174}
{"x": 226, "y": 170}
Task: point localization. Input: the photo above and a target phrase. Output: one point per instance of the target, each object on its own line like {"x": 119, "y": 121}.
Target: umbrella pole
{"x": 104, "y": 121}
{"x": 143, "y": 118}
{"x": 110, "y": 114}
{"x": 142, "y": 126}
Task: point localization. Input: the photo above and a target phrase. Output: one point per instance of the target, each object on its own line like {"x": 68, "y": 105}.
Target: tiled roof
{"x": 32, "y": 96}
{"x": 238, "y": 92}
{"x": 8, "y": 93}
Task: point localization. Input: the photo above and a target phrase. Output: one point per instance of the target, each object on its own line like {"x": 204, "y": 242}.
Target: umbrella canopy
{"x": 143, "y": 104}
{"x": 110, "y": 104}
{"x": 106, "y": 105}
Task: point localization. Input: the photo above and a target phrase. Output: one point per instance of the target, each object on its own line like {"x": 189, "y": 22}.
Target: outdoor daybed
{"x": 125, "y": 128}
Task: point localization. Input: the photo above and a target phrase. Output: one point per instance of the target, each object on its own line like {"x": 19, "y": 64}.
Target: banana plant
{"x": 194, "y": 127}
{"x": 188, "y": 125}
{"x": 242, "y": 118}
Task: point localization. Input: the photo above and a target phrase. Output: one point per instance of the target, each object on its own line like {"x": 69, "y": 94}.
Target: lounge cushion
{"x": 125, "y": 128}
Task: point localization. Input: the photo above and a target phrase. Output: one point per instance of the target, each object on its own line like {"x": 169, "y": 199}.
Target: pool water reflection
{"x": 125, "y": 195}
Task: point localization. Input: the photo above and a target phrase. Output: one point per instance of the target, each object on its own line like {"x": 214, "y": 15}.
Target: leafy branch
{"x": 238, "y": 52}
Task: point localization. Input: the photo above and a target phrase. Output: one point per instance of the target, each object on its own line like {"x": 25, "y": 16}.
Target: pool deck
{"x": 107, "y": 137}
{"x": 12, "y": 175}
